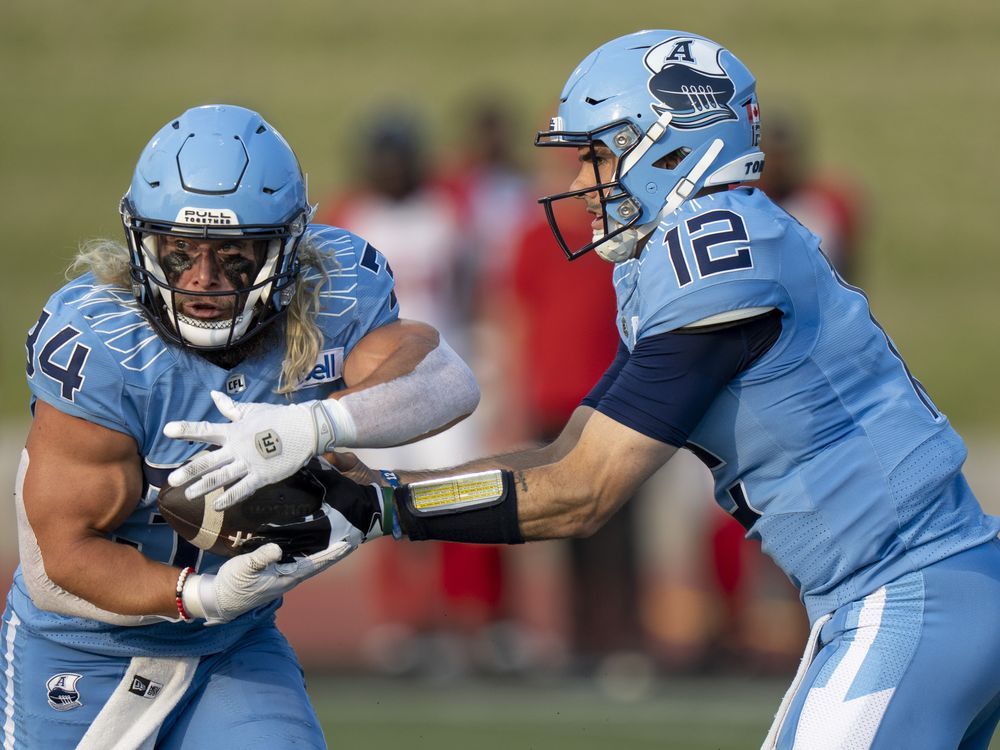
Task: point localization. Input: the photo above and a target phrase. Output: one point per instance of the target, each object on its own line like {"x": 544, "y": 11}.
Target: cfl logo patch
{"x": 145, "y": 688}
{"x": 236, "y": 384}
{"x": 268, "y": 443}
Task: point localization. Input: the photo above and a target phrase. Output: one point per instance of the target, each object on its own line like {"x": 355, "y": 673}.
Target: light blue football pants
{"x": 915, "y": 665}
{"x": 250, "y": 696}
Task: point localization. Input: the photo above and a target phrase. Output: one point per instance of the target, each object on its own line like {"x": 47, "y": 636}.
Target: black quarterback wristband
{"x": 478, "y": 508}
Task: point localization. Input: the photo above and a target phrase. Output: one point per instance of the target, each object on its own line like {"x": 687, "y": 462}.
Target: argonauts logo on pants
{"x": 63, "y": 694}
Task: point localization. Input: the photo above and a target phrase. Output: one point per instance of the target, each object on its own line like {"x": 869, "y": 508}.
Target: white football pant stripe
{"x": 8, "y": 709}
{"x": 829, "y": 721}
{"x": 812, "y": 643}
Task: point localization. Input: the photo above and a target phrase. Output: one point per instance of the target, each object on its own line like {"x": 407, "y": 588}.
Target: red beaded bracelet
{"x": 179, "y": 591}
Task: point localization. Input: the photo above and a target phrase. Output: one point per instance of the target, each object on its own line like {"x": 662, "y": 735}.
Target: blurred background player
{"x": 224, "y": 293}
{"x": 558, "y": 330}
{"x": 537, "y": 350}
{"x": 490, "y": 188}
{"x": 489, "y": 183}
{"x": 438, "y": 227}
{"x": 830, "y": 204}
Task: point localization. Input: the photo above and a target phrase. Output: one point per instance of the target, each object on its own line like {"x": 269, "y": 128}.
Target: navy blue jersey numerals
{"x": 184, "y": 554}
{"x": 32, "y": 339}
{"x": 370, "y": 261}
{"x": 737, "y": 503}
{"x": 705, "y": 232}
{"x": 69, "y": 375}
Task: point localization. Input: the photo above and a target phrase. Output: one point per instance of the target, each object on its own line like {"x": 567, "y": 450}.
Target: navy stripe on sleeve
{"x": 665, "y": 386}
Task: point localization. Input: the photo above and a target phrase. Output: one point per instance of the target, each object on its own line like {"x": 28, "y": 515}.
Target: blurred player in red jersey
{"x": 562, "y": 337}
{"x": 828, "y": 204}
{"x": 416, "y": 222}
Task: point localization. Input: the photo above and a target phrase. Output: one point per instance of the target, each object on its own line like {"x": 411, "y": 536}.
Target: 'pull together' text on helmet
{"x": 216, "y": 172}
{"x": 647, "y": 96}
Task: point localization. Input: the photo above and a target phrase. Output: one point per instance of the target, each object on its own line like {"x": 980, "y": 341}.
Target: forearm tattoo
{"x": 521, "y": 480}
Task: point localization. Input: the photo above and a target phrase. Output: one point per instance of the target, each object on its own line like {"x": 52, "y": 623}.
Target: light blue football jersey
{"x": 827, "y": 449}
{"x": 92, "y": 354}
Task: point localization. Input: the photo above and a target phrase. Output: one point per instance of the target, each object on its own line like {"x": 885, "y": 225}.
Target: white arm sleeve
{"x": 439, "y": 390}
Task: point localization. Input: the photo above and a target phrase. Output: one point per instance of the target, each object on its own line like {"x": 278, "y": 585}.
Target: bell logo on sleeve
{"x": 328, "y": 368}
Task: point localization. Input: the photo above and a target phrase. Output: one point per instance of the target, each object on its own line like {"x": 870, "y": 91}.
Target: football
{"x": 290, "y": 512}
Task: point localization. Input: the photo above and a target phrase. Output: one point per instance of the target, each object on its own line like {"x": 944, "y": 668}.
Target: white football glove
{"x": 263, "y": 444}
{"x": 248, "y": 581}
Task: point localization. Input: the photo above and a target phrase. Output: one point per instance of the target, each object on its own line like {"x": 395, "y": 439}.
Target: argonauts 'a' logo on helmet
{"x": 63, "y": 694}
{"x": 689, "y": 80}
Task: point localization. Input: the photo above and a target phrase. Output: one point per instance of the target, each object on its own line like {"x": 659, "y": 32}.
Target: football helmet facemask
{"x": 649, "y": 96}
{"x": 216, "y": 172}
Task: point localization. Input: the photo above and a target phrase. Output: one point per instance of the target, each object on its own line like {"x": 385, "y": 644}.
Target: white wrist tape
{"x": 332, "y": 422}
{"x": 200, "y": 598}
{"x": 439, "y": 390}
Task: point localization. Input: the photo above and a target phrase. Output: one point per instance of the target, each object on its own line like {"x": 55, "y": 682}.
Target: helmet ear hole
{"x": 671, "y": 160}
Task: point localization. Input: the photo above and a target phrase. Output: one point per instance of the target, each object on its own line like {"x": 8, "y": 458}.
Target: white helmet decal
{"x": 689, "y": 81}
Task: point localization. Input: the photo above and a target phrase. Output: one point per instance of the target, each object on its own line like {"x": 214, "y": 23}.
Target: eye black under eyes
{"x": 237, "y": 268}
{"x": 175, "y": 263}
{"x": 237, "y": 264}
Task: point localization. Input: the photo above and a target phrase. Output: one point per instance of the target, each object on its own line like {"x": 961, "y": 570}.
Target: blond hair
{"x": 109, "y": 261}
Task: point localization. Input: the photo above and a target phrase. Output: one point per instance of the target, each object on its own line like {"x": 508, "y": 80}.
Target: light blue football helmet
{"x": 647, "y": 96}
{"x": 216, "y": 172}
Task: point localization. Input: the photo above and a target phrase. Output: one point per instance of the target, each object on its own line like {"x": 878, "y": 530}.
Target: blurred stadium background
{"x": 899, "y": 95}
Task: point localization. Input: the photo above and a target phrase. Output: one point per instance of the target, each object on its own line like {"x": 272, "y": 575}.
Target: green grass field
{"x": 902, "y": 95}
{"x": 678, "y": 714}
{"x": 686, "y": 715}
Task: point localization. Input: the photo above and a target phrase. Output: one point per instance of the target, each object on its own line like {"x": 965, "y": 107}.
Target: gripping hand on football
{"x": 262, "y": 444}
{"x": 359, "y": 508}
{"x": 248, "y": 581}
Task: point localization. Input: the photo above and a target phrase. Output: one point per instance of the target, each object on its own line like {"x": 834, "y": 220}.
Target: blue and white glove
{"x": 261, "y": 445}
{"x": 248, "y": 581}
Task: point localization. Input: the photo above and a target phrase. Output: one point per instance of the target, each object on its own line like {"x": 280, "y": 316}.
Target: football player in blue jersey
{"x": 740, "y": 343}
{"x": 117, "y": 632}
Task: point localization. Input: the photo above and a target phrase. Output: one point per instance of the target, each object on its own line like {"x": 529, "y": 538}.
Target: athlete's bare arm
{"x": 83, "y": 480}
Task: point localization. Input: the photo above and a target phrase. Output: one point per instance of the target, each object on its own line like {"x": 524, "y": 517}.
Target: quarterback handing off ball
{"x": 290, "y": 513}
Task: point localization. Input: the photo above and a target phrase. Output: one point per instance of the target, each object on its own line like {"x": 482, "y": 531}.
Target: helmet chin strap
{"x": 623, "y": 246}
